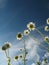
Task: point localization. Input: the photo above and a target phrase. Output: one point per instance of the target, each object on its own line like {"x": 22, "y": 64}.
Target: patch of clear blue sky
{"x": 17, "y": 13}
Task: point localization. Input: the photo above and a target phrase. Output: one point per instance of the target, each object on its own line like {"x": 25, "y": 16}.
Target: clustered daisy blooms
{"x": 17, "y": 57}
{"x": 31, "y": 26}
{"x": 47, "y": 21}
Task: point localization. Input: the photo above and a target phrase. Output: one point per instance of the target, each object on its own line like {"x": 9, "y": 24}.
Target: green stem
{"x": 9, "y": 61}
{"x": 42, "y": 35}
{"x": 39, "y": 43}
{"x": 6, "y": 53}
{"x": 24, "y": 53}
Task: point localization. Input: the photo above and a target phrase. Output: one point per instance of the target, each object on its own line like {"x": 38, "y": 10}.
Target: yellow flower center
{"x": 31, "y": 26}
{"x": 16, "y": 57}
{"x": 48, "y": 20}
{"x": 20, "y": 56}
{"x": 26, "y": 32}
{"x": 46, "y": 39}
{"x": 19, "y": 35}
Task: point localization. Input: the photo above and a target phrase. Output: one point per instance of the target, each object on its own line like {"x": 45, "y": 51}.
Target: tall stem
{"x": 42, "y": 35}
{"x": 39, "y": 42}
{"x": 9, "y": 58}
{"x": 6, "y": 53}
{"x": 9, "y": 61}
{"x": 24, "y": 53}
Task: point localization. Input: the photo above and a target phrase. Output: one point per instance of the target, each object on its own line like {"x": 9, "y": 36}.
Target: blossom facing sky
{"x": 26, "y": 32}
{"x": 31, "y": 26}
{"x": 19, "y": 36}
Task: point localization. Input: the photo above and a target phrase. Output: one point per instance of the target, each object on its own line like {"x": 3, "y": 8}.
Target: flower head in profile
{"x": 19, "y": 36}
{"x": 47, "y": 21}
{"x": 31, "y": 26}
{"x": 16, "y": 58}
{"x": 46, "y": 28}
{"x": 6, "y": 46}
{"x": 26, "y": 32}
{"x": 46, "y": 38}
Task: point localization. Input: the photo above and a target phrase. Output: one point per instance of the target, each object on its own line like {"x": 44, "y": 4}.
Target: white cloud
{"x": 32, "y": 47}
{"x": 33, "y": 64}
{"x": 47, "y": 54}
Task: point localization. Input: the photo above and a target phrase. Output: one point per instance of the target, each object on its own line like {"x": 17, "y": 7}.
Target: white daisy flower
{"x": 31, "y": 26}
{"x": 19, "y": 36}
{"x": 26, "y": 32}
{"x": 16, "y": 58}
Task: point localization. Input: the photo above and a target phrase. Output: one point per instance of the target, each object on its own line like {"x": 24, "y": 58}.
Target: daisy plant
{"x": 5, "y": 48}
{"x": 19, "y": 37}
{"x": 31, "y": 26}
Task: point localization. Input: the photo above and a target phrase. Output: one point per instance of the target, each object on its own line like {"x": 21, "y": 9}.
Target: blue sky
{"x": 14, "y": 16}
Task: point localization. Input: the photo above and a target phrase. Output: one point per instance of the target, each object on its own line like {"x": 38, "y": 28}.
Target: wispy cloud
{"x": 33, "y": 64}
{"x": 32, "y": 46}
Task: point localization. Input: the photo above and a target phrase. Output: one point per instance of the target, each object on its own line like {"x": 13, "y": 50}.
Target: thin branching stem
{"x": 38, "y": 42}
{"x": 6, "y": 53}
{"x": 42, "y": 35}
{"x": 24, "y": 52}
